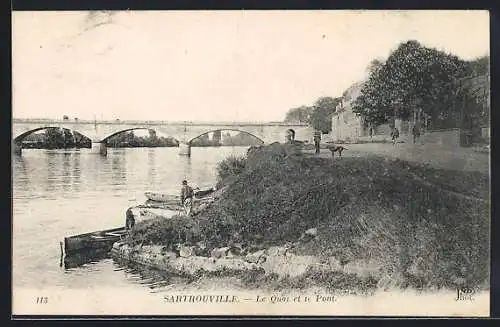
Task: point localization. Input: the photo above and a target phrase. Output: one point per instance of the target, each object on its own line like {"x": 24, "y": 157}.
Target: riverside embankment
{"x": 286, "y": 220}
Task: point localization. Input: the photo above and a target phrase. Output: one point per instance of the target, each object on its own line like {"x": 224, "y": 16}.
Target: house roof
{"x": 349, "y": 95}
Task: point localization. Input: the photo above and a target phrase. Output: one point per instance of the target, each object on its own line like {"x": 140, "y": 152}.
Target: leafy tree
{"x": 152, "y": 135}
{"x": 480, "y": 66}
{"x": 35, "y": 137}
{"x": 374, "y": 66}
{"x": 299, "y": 115}
{"x": 321, "y": 116}
{"x": 130, "y": 140}
{"x": 240, "y": 139}
{"x": 81, "y": 140}
{"x": 413, "y": 77}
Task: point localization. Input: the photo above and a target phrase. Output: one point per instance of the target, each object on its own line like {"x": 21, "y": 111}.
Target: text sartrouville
{"x": 201, "y": 298}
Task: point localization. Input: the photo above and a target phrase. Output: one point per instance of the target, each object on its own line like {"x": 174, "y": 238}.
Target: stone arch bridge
{"x": 184, "y": 132}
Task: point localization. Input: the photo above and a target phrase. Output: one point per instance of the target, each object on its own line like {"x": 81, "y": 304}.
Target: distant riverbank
{"x": 55, "y": 138}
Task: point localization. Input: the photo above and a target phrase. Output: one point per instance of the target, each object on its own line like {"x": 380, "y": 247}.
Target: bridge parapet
{"x": 184, "y": 132}
{"x": 149, "y": 122}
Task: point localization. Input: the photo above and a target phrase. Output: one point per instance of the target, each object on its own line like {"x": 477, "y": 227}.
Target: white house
{"x": 346, "y": 125}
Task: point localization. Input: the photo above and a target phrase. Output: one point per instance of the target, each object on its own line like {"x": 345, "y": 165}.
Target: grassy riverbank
{"x": 421, "y": 227}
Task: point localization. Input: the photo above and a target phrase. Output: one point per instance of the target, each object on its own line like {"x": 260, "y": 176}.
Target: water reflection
{"x": 66, "y": 175}
{"x": 76, "y": 173}
{"x": 187, "y": 168}
{"x": 153, "y": 278}
{"x": 52, "y": 172}
{"x": 79, "y": 259}
{"x": 119, "y": 167}
{"x": 20, "y": 166}
{"x": 152, "y": 165}
{"x": 96, "y": 170}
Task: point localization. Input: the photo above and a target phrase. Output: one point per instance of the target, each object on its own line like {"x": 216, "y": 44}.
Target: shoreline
{"x": 275, "y": 267}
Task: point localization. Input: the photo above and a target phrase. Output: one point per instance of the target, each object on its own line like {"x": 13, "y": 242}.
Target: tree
{"x": 68, "y": 138}
{"x": 413, "y": 77}
{"x": 57, "y": 138}
{"x": 374, "y": 66}
{"x": 321, "y": 116}
{"x": 152, "y": 135}
{"x": 202, "y": 140}
{"x": 81, "y": 140}
{"x": 299, "y": 115}
{"x": 479, "y": 66}
{"x": 241, "y": 139}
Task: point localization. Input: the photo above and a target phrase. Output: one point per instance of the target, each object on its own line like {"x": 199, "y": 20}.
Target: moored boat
{"x": 162, "y": 197}
{"x": 203, "y": 192}
{"x": 100, "y": 240}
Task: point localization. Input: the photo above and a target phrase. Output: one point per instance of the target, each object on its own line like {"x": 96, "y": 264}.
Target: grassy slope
{"x": 387, "y": 211}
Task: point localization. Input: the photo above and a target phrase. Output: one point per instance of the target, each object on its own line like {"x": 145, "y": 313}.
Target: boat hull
{"x": 96, "y": 241}
{"x": 161, "y": 197}
{"x": 204, "y": 192}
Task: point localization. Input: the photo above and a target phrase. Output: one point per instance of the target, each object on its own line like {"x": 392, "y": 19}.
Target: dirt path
{"x": 460, "y": 195}
{"x": 460, "y": 159}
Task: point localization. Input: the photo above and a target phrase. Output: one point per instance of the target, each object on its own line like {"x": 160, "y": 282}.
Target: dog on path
{"x": 336, "y": 148}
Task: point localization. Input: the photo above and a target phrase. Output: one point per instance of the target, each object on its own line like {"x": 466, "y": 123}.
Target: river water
{"x": 57, "y": 193}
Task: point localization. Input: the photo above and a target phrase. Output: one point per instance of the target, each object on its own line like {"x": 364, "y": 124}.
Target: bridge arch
{"x": 131, "y": 129}
{"x": 227, "y": 129}
{"x": 19, "y": 138}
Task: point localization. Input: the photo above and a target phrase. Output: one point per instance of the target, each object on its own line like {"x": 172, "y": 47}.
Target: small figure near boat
{"x": 129, "y": 219}
{"x": 187, "y": 194}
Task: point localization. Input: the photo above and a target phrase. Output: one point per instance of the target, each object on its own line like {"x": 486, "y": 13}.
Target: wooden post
{"x": 62, "y": 254}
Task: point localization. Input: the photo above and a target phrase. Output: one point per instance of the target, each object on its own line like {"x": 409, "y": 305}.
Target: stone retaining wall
{"x": 274, "y": 260}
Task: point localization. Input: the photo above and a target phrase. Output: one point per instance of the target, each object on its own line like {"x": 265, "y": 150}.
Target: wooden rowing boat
{"x": 203, "y": 192}
{"x": 162, "y": 197}
{"x": 100, "y": 240}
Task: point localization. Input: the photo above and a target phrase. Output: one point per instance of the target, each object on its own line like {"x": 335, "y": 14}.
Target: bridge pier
{"x": 99, "y": 148}
{"x": 17, "y": 148}
{"x": 184, "y": 149}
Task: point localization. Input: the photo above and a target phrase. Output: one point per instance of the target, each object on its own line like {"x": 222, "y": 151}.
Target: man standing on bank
{"x": 317, "y": 139}
{"x": 395, "y": 135}
{"x": 129, "y": 219}
{"x": 187, "y": 198}
{"x": 416, "y": 133}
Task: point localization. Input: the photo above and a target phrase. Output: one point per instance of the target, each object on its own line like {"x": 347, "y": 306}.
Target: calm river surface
{"x": 57, "y": 193}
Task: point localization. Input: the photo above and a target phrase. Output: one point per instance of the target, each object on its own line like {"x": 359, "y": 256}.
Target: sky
{"x": 212, "y": 65}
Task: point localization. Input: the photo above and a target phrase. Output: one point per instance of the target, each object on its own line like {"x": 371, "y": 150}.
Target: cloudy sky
{"x": 212, "y": 66}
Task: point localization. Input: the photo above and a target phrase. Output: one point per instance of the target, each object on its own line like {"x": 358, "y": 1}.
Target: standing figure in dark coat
{"x": 317, "y": 140}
